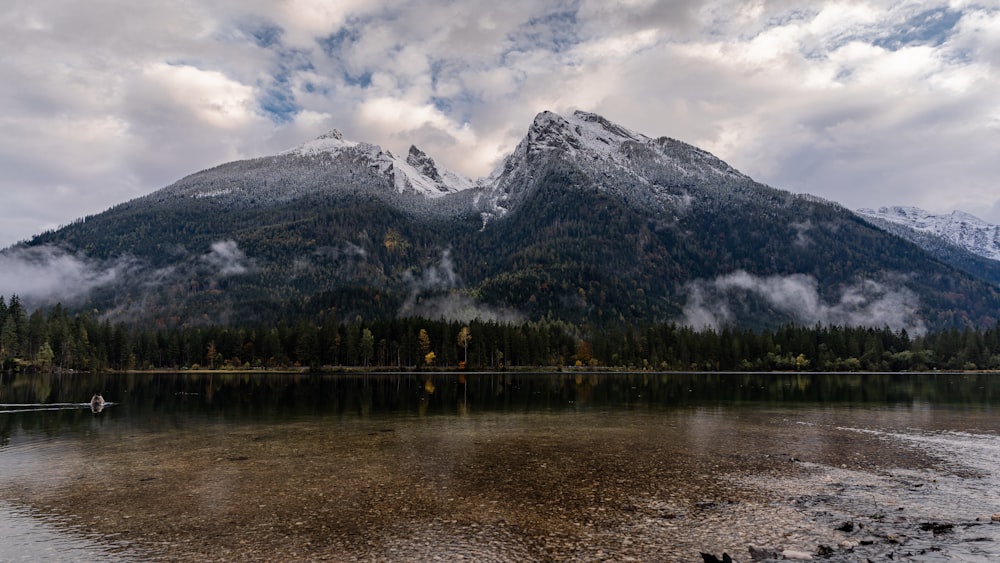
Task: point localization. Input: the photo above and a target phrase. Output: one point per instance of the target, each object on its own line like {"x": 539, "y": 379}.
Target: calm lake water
{"x": 567, "y": 466}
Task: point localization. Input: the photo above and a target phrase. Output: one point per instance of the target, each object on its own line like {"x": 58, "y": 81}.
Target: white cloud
{"x": 227, "y": 259}
{"x": 866, "y": 303}
{"x": 209, "y": 95}
{"x": 48, "y": 274}
{"x": 436, "y": 294}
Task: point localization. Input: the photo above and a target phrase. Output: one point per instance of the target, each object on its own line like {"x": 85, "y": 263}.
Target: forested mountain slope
{"x": 585, "y": 222}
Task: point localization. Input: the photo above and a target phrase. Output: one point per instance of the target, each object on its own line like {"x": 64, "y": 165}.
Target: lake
{"x": 499, "y": 467}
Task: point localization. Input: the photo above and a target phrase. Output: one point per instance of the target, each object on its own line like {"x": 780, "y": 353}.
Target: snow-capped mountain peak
{"x": 330, "y": 142}
{"x": 445, "y": 181}
{"x": 416, "y": 173}
{"x": 582, "y": 132}
{"x": 958, "y": 228}
{"x": 643, "y": 170}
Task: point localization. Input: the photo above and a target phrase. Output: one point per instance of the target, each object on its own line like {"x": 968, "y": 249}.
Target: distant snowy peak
{"x": 958, "y": 228}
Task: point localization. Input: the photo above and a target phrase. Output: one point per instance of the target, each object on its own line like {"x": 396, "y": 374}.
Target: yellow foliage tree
{"x": 464, "y": 337}
{"x": 424, "y": 340}
{"x": 395, "y": 242}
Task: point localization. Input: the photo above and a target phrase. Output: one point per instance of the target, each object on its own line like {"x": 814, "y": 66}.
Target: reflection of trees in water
{"x": 270, "y": 396}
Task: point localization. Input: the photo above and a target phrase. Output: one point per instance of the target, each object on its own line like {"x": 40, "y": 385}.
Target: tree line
{"x": 55, "y": 339}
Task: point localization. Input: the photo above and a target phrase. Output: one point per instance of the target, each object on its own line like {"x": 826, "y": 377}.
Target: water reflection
{"x": 270, "y": 396}
{"x": 280, "y": 395}
{"x": 557, "y": 466}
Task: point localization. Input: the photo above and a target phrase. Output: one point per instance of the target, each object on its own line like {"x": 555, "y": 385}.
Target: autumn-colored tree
{"x": 584, "y": 353}
{"x": 395, "y": 242}
{"x": 429, "y": 358}
{"x": 464, "y": 337}
{"x": 424, "y": 340}
{"x": 801, "y": 362}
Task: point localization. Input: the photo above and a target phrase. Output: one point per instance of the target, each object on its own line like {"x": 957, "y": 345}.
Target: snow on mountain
{"x": 446, "y": 181}
{"x": 416, "y": 173}
{"x": 647, "y": 172}
{"x": 617, "y": 158}
{"x": 331, "y": 142}
{"x": 958, "y": 228}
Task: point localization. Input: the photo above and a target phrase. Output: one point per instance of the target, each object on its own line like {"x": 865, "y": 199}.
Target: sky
{"x": 867, "y": 103}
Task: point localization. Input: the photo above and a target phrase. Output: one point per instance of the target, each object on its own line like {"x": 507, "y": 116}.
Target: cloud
{"x": 42, "y": 275}
{"x": 802, "y": 239}
{"x": 436, "y": 294}
{"x": 710, "y": 303}
{"x": 866, "y": 103}
{"x": 207, "y": 95}
{"x": 459, "y": 307}
{"x": 45, "y": 275}
{"x": 227, "y": 259}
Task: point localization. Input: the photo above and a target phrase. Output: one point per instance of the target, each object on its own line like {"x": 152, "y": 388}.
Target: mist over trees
{"x": 57, "y": 340}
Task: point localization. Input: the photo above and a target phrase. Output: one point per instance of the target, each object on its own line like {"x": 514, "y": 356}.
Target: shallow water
{"x": 500, "y": 467}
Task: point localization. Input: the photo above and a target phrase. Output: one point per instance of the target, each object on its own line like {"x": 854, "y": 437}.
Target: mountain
{"x": 957, "y": 238}
{"x": 616, "y": 161}
{"x": 958, "y": 228}
{"x": 585, "y": 222}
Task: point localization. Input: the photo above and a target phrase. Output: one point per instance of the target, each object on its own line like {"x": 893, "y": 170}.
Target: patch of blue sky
{"x": 931, "y": 27}
{"x": 311, "y": 87}
{"x": 444, "y": 105}
{"x": 336, "y": 46}
{"x": 358, "y": 79}
{"x": 279, "y": 105}
{"x": 265, "y": 35}
{"x": 278, "y": 101}
{"x": 459, "y": 108}
{"x": 335, "y": 43}
{"x": 438, "y": 67}
{"x": 555, "y": 31}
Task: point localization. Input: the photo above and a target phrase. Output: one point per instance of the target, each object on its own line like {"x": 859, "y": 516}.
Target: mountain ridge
{"x": 585, "y": 222}
{"x": 958, "y": 227}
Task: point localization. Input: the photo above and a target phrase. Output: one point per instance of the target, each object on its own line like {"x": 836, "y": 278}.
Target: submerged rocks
{"x": 762, "y": 553}
{"x": 758, "y": 553}
{"x": 937, "y": 527}
{"x": 845, "y": 527}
